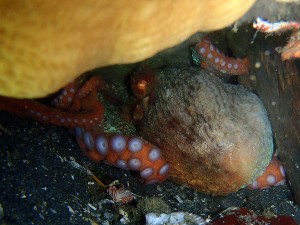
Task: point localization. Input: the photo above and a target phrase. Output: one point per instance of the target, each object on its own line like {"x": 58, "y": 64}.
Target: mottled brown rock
{"x": 216, "y": 136}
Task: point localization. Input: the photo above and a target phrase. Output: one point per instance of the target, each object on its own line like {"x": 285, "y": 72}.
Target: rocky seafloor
{"x": 43, "y": 181}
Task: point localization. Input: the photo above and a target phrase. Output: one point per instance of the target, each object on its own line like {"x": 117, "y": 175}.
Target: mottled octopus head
{"x": 216, "y": 136}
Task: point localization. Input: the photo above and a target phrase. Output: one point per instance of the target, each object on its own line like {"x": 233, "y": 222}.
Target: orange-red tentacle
{"x": 79, "y": 108}
{"x": 129, "y": 153}
{"x": 274, "y": 175}
{"x": 215, "y": 60}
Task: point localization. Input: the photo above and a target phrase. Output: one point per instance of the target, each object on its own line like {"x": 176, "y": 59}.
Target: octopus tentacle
{"x": 49, "y": 115}
{"x": 71, "y": 97}
{"x": 75, "y": 106}
{"x": 125, "y": 152}
{"x": 65, "y": 98}
{"x": 274, "y": 175}
{"x": 78, "y": 107}
{"x": 142, "y": 87}
{"x": 93, "y": 84}
{"x": 292, "y": 49}
{"x": 212, "y": 58}
{"x": 142, "y": 83}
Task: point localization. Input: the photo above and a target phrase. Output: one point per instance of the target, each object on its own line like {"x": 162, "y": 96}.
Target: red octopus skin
{"x": 292, "y": 49}
{"x": 147, "y": 159}
{"x": 243, "y": 216}
{"x": 215, "y": 60}
{"x": 274, "y": 175}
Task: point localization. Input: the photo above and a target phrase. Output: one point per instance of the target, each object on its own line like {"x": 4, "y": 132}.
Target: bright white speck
{"x": 257, "y": 65}
{"x": 70, "y": 209}
{"x": 267, "y": 52}
{"x": 92, "y": 207}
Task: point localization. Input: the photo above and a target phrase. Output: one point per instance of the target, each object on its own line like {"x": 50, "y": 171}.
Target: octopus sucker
{"x": 78, "y": 113}
{"x": 124, "y": 152}
{"x": 274, "y": 175}
{"x": 212, "y": 59}
{"x": 216, "y": 136}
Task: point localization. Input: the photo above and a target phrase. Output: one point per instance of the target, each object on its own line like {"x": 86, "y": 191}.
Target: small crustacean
{"x": 114, "y": 189}
{"x": 292, "y": 48}
{"x": 119, "y": 193}
{"x": 267, "y": 27}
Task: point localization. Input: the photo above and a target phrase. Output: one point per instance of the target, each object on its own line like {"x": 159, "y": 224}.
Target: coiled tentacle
{"x": 125, "y": 152}
{"x": 77, "y": 107}
{"x": 74, "y": 106}
{"x": 45, "y": 114}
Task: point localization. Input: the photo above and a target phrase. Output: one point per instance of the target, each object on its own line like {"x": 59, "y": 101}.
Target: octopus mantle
{"x": 216, "y": 136}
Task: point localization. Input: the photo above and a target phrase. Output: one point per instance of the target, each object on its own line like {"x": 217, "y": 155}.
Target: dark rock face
{"x": 216, "y": 136}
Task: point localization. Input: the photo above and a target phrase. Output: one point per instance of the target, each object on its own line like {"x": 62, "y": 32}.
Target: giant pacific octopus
{"x": 214, "y": 137}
